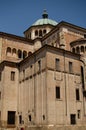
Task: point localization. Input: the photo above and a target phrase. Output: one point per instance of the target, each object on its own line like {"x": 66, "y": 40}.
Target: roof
{"x": 78, "y": 41}
{"x": 45, "y": 20}
{"x": 64, "y": 24}
{"x": 3, "y": 34}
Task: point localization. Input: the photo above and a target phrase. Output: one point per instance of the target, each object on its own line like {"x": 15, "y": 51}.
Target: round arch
{"x": 19, "y": 54}
{"x": 24, "y": 54}
{"x": 14, "y": 52}
{"x": 8, "y": 52}
{"x": 73, "y": 50}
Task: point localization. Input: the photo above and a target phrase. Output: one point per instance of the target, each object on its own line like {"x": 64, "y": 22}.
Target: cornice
{"x": 12, "y": 36}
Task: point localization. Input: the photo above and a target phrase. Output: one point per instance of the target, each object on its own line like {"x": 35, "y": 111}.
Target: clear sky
{"x": 18, "y": 15}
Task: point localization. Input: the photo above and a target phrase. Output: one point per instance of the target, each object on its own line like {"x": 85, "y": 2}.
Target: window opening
{"x": 40, "y": 32}
{"x": 39, "y": 65}
{"x": 57, "y": 92}
{"x": 8, "y": 51}
{"x": 77, "y": 94}
{"x": 0, "y": 75}
{"x": 77, "y": 50}
{"x": 44, "y": 31}
{"x": 57, "y": 64}
{"x": 43, "y": 117}
{"x": 78, "y": 114}
{"x": 82, "y": 77}
{"x": 73, "y": 50}
{"x": 73, "y": 119}
{"x": 82, "y": 49}
{"x": 19, "y": 54}
{"x": 29, "y": 117}
{"x": 36, "y": 33}
{"x": 70, "y": 67}
{"x": 20, "y": 119}
{"x": 11, "y": 117}
{"x": 24, "y": 54}
{"x": 12, "y": 75}
{"x": 84, "y": 35}
{"x": 14, "y": 51}
{"x": 0, "y": 95}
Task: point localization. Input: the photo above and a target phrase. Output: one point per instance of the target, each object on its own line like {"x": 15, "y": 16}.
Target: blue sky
{"x": 17, "y": 15}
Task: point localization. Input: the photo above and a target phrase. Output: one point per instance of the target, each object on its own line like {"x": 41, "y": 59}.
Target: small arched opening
{"x": 73, "y": 50}
{"x": 40, "y": 33}
{"x": 85, "y": 49}
{"x": 19, "y": 54}
{"x": 8, "y": 53}
{"x": 77, "y": 50}
{"x": 14, "y": 52}
{"x": 24, "y": 54}
{"x": 44, "y": 31}
{"x": 36, "y": 33}
{"x": 82, "y": 49}
{"x": 29, "y": 53}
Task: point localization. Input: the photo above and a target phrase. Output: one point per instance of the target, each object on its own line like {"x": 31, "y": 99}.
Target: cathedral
{"x": 43, "y": 76}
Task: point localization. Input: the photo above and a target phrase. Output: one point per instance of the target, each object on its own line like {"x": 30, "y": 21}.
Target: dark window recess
{"x": 84, "y": 93}
{"x": 0, "y": 95}
{"x": 58, "y": 92}
{"x": 11, "y": 117}
{"x": 31, "y": 67}
{"x": 43, "y": 117}
{"x": 57, "y": 64}
{"x": 78, "y": 114}
{"x": 73, "y": 50}
{"x": 23, "y": 74}
{"x": 12, "y": 75}
{"x": 20, "y": 119}
{"x": 82, "y": 77}
{"x": 19, "y": 54}
{"x": 73, "y": 119}
{"x": 84, "y": 35}
{"x": 39, "y": 65}
{"x": 40, "y": 33}
{"x": 77, "y": 94}
{"x": 29, "y": 117}
{"x": 36, "y": 33}
{"x": 24, "y": 54}
{"x": 0, "y": 76}
{"x": 70, "y": 67}
{"x": 44, "y": 31}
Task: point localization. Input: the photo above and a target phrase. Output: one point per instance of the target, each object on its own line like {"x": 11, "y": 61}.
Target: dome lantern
{"x": 44, "y": 15}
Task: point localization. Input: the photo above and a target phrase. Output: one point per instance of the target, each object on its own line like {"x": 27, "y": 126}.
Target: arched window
{"x": 29, "y": 53}
{"x": 40, "y": 33}
{"x": 19, "y": 54}
{"x": 8, "y": 53}
{"x": 24, "y": 54}
{"x": 73, "y": 50}
{"x": 82, "y": 48}
{"x": 36, "y": 33}
{"x": 77, "y": 50}
{"x": 14, "y": 52}
{"x": 44, "y": 31}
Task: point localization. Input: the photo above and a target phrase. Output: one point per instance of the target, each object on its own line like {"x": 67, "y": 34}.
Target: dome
{"x": 45, "y": 20}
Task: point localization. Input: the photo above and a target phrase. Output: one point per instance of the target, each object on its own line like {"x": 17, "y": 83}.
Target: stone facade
{"x": 43, "y": 81}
